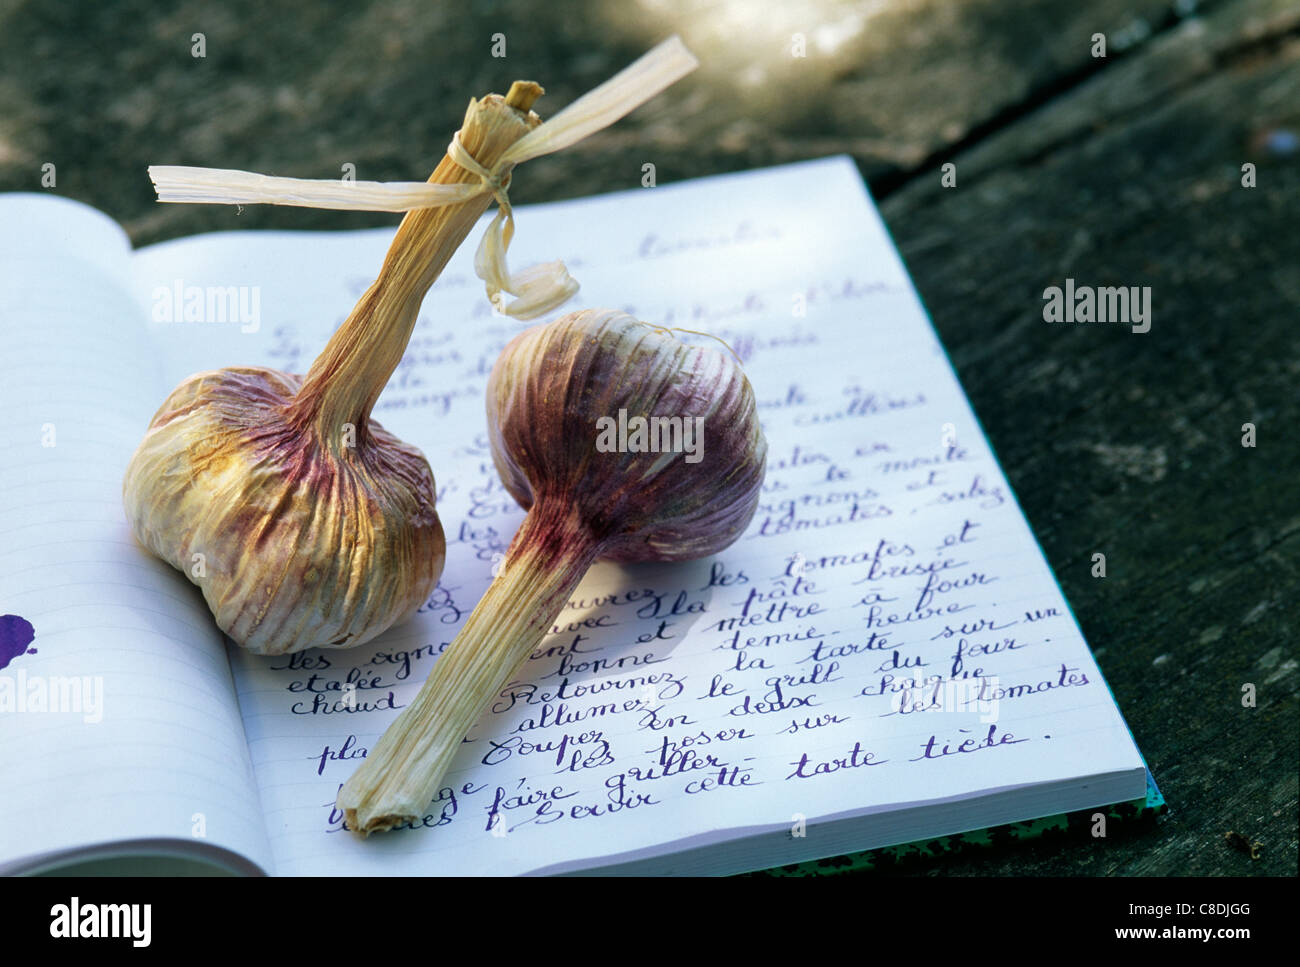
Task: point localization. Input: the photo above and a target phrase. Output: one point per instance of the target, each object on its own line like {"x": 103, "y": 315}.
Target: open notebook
{"x": 884, "y": 656}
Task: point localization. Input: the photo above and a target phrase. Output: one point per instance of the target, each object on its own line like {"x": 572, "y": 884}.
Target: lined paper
{"x": 118, "y": 721}
{"x": 886, "y": 641}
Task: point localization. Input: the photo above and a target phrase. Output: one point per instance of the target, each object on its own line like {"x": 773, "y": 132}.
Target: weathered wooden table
{"x": 1117, "y": 170}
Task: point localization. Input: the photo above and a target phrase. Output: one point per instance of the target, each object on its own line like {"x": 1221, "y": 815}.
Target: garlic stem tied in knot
{"x": 537, "y": 289}
{"x": 495, "y": 182}
{"x": 302, "y": 520}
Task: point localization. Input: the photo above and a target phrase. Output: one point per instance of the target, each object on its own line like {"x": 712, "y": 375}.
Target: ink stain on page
{"x": 15, "y": 635}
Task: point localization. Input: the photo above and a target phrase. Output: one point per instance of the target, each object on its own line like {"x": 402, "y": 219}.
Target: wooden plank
{"x": 1129, "y": 444}
{"x": 104, "y": 90}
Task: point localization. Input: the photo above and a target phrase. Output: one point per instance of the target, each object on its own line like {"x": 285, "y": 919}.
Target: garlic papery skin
{"x": 304, "y": 523}
{"x": 295, "y": 541}
{"x": 551, "y": 396}
{"x": 610, "y": 369}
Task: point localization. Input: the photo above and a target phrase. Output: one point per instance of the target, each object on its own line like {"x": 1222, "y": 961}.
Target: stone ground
{"x": 1117, "y": 170}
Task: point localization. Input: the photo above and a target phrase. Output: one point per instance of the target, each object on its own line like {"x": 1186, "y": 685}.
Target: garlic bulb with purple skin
{"x": 302, "y": 520}
{"x": 624, "y": 444}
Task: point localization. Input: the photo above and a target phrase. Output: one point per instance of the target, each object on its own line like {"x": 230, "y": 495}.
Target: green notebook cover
{"x": 1070, "y": 825}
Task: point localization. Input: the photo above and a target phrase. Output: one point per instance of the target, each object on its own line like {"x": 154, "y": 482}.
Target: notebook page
{"x": 885, "y": 633}
{"x": 119, "y": 726}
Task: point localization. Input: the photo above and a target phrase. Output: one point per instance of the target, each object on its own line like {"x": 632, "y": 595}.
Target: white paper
{"x": 880, "y": 486}
{"x": 118, "y": 720}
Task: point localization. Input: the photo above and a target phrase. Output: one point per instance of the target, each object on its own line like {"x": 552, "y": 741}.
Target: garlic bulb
{"x": 302, "y": 520}
{"x": 624, "y": 444}
{"x": 298, "y": 537}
